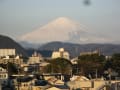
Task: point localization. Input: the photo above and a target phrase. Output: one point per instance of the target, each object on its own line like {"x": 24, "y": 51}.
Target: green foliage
{"x": 3, "y": 66}
{"x": 59, "y": 65}
{"x": 93, "y": 57}
{"x": 116, "y": 62}
{"x": 12, "y": 68}
{"x": 107, "y": 64}
{"x": 90, "y": 63}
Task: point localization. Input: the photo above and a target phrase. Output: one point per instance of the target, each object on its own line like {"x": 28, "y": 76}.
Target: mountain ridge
{"x": 76, "y": 49}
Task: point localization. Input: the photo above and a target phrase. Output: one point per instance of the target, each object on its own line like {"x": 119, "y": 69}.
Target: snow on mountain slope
{"x": 62, "y": 29}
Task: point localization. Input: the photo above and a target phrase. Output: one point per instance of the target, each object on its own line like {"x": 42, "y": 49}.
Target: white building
{"x": 7, "y": 52}
{"x": 3, "y": 73}
{"x": 74, "y": 60}
{"x": 90, "y": 53}
{"x": 36, "y": 58}
{"x": 60, "y": 54}
{"x": 15, "y": 60}
{"x": 3, "y": 76}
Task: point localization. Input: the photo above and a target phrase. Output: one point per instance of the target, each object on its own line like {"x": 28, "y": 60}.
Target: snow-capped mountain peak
{"x": 65, "y": 30}
{"x": 59, "y": 29}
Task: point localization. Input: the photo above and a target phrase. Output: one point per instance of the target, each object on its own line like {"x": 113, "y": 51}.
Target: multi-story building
{"x": 3, "y": 76}
{"x": 60, "y": 54}
{"x": 35, "y": 58}
{"x": 3, "y": 73}
{"x": 90, "y": 53}
{"x": 9, "y": 55}
{"x": 7, "y": 52}
{"x": 15, "y": 60}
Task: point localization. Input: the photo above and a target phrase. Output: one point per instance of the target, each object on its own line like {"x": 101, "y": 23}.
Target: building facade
{"x": 90, "y": 53}
{"x": 15, "y": 60}
{"x": 35, "y": 58}
{"x": 60, "y": 54}
{"x": 3, "y": 73}
{"x": 7, "y": 52}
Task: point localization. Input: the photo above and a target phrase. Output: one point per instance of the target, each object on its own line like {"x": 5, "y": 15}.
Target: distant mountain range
{"x": 8, "y": 43}
{"x": 47, "y": 49}
{"x": 75, "y": 49}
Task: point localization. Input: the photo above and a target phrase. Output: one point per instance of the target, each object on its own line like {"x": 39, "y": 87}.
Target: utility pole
{"x": 96, "y": 73}
{"x": 116, "y": 88}
{"x": 19, "y": 82}
{"x": 18, "y": 79}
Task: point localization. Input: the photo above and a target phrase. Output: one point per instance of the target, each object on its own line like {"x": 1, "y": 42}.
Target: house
{"x": 24, "y": 83}
{"x": 3, "y": 73}
{"x": 53, "y": 88}
{"x": 41, "y": 85}
{"x": 3, "y": 76}
{"x": 57, "y": 84}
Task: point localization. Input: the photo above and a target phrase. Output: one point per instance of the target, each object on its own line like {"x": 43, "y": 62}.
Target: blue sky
{"x": 18, "y": 17}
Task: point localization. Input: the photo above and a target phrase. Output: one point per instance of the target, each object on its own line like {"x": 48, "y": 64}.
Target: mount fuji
{"x": 65, "y": 30}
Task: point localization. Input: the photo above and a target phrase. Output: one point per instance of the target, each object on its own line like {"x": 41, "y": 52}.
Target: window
{"x": 4, "y": 76}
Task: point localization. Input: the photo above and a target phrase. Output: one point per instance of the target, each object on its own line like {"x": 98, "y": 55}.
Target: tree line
{"x": 94, "y": 65}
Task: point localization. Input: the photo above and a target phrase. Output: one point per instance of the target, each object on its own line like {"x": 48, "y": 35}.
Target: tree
{"x": 116, "y": 62}
{"x": 59, "y": 65}
{"x": 91, "y": 64}
{"x": 107, "y": 64}
{"x": 12, "y": 68}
